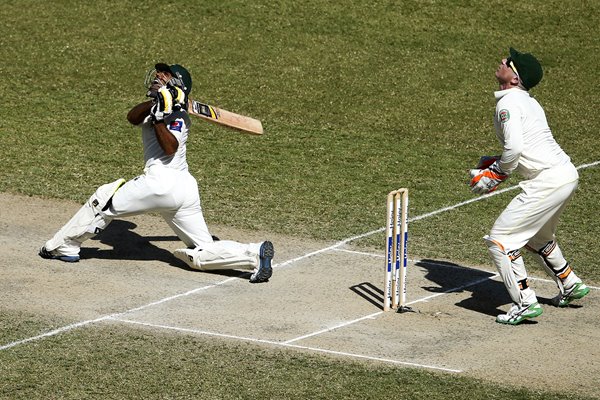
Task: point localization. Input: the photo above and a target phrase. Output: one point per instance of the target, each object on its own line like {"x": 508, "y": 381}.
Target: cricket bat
{"x": 226, "y": 118}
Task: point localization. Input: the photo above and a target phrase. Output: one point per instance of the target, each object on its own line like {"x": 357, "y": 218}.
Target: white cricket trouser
{"x": 171, "y": 193}
{"x": 174, "y": 195}
{"x": 532, "y": 216}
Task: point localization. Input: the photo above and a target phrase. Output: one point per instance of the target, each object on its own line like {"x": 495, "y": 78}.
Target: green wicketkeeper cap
{"x": 528, "y": 68}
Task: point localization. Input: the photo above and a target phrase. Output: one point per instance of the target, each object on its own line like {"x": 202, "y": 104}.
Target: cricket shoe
{"x": 186, "y": 255}
{"x": 265, "y": 270}
{"x": 578, "y": 291}
{"x": 53, "y": 255}
{"x": 518, "y": 314}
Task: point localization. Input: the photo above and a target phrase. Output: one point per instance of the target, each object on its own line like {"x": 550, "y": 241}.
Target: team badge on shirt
{"x": 176, "y": 125}
{"x": 504, "y": 115}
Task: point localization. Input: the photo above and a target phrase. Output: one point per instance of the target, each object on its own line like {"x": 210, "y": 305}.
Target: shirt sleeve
{"x": 509, "y": 128}
{"x": 177, "y": 127}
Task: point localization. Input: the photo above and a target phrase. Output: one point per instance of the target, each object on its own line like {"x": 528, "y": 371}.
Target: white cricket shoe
{"x": 187, "y": 256}
{"x": 576, "y": 292}
{"x": 54, "y": 255}
{"x": 518, "y": 314}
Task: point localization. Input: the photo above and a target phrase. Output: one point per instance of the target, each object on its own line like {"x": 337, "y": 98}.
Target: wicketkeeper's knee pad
{"x": 89, "y": 220}
{"x": 551, "y": 258}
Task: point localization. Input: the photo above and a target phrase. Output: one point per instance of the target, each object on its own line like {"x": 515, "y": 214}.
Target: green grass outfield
{"x": 357, "y": 99}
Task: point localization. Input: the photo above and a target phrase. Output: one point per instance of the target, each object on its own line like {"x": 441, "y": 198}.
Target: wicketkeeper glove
{"x": 487, "y": 180}
{"x": 163, "y": 105}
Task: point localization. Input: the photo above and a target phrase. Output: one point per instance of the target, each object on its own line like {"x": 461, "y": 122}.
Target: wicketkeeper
{"x": 531, "y": 218}
{"x": 165, "y": 187}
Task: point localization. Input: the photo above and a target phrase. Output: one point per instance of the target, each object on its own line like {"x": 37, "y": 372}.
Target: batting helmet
{"x": 181, "y": 76}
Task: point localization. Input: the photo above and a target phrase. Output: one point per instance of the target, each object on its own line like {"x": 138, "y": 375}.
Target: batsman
{"x": 531, "y": 218}
{"x": 166, "y": 187}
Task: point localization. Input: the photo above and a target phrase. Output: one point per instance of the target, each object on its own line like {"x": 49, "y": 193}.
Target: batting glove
{"x": 487, "y": 180}
{"x": 178, "y": 95}
{"x": 155, "y": 85}
{"x": 163, "y": 105}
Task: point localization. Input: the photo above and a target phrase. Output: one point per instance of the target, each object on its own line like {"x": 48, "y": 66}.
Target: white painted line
{"x": 551, "y": 281}
{"x": 410, "y": 364}
{"x": 419, "y": 217}
{"x": 456, "y": 289}
{"x": 326, "y": 249}
{"x": 177, "y": 296}
{"x": 196, "y": 331}
{"x": 362, "y": 253}
{"x": 287, "y": 344}
{"x": 593, "y": 164}
{"x": 370, "y": 316}
{"x": 464, "y": 203}
{"x": 52, "y": 333}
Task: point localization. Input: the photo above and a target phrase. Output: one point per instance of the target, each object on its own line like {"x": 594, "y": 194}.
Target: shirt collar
{"x": 501, "y": 93}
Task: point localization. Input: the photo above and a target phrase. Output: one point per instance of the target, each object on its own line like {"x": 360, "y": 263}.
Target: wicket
{"x": 394, "y": 296}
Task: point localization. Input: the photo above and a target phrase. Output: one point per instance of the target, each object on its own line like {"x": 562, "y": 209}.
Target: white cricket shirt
{"x": 522, "y": 129}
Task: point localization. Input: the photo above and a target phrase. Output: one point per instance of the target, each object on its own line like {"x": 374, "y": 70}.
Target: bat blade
{"x": 226, "y": 118}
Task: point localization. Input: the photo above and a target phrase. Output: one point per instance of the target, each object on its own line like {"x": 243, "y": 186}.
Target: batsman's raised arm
{"x": 155, "y": 110}
{"x": 138, "y": 113}
{"x": 167, "y": 141}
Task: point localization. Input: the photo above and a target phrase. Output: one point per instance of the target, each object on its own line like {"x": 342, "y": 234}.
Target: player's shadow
{"x": 126, "y": 244}
{"x": 488, "y": 296}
